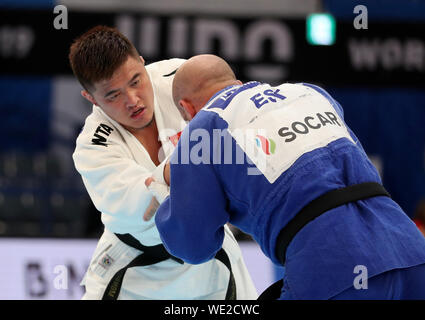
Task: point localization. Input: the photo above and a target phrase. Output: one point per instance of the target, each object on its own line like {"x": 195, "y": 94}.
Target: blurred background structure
{"x": 369, "y": 55}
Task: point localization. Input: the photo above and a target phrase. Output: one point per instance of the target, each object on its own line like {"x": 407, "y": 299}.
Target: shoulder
{"x": 207, "y": 120}
{"x": 99, "y": 145}
{"x": 164, "y": 68}
{"x": 336, "y": 105}
{"x": 161, "y": 74}
{"x": 98, "y": 131}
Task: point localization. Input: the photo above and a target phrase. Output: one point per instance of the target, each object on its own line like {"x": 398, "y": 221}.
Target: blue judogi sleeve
{"x": 191, "y": 220}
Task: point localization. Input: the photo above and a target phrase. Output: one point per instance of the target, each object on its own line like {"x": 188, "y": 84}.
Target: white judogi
{"x": 114, "y": 166}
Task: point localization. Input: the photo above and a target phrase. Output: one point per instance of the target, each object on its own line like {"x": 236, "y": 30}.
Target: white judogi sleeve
{"x": 114, "y": 180}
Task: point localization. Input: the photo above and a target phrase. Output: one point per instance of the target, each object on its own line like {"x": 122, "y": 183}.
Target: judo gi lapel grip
{"x": 152, "y": 255}
{"x": 312, "y": 210}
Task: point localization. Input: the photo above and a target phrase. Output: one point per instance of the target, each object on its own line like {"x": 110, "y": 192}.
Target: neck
{"x": 211, "y": 90}
{"x": 149, "y": 138}
{"x": 147, "y": 132}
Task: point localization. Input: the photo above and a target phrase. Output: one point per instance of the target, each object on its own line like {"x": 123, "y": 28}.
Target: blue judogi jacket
{"x": 254, "y": 156}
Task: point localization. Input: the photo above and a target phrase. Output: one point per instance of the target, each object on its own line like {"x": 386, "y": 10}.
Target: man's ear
{"x": 188, "y": 107}
{"x": 143, "y": 60}
{"x": 88, "y": 96}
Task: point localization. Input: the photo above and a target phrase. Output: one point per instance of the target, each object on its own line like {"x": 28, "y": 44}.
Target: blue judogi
{"x": 254, "y": 156}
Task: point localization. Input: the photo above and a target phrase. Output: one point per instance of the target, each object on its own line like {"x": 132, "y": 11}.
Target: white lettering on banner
{"x": 149, "y": 36}
{"x": 28, "y": 267}
{"x": 125, "y": 23}
{"x": 262, "y": 30}
{"x": 178, "y": 37}
{"x": 391, "y": 53}
{"x": 43, "y": 268}
{"x": 16, "y": 41}
{"x": 280, "y": 37}
{"x": 41, "y": 280}
{"x": 207, "y": 32}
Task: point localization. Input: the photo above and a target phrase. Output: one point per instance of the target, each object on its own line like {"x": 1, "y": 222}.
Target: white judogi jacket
{"x": 114, "y": 166}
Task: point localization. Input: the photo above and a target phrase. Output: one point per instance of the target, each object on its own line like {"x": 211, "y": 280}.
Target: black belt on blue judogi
{"x": 156, "y": 254}
{"x": 314, "y": 209}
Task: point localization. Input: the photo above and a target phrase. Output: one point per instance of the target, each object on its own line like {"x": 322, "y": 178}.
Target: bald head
{"x": 196, "y": 81}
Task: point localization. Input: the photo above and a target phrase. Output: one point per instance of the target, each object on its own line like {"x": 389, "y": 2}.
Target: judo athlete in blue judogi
{"x": 280, "y": 163}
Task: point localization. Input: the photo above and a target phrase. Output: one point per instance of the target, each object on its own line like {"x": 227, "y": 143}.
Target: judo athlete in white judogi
{"x": 132, "y": 129}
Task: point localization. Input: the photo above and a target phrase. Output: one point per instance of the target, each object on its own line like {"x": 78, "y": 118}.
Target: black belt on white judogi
{"x": 312, "y": 210}
{"x": 156, "y": 254}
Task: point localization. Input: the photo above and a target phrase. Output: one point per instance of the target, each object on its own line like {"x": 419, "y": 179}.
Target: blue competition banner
{"x": 384, "y": 10}
{"x": 24, "y": 113}
{"x": 27, "y": 4}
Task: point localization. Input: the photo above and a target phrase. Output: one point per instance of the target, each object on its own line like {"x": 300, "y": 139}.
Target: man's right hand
{"x": 160, "y": 192}
{"x": 151, "y": 210}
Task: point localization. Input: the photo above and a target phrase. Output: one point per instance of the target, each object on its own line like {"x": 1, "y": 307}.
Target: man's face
{"x": 127, "y": 97}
